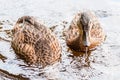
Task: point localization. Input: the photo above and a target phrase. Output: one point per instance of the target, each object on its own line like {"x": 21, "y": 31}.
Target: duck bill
{"x": 85, "y": 40}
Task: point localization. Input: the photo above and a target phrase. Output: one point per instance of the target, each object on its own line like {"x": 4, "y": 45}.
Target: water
{"x": 86, "y": 51}
{"x": 101, "y": 64}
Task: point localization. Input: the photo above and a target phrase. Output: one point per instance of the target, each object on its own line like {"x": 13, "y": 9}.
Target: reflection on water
{"x": 81, "y": 58}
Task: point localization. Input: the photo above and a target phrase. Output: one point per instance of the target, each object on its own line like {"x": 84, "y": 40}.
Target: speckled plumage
{"x": 35, "y": 43}
{"x": 75, "y": 32}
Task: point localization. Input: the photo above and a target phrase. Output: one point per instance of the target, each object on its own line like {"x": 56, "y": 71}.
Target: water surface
{"x": 101, "y": 64}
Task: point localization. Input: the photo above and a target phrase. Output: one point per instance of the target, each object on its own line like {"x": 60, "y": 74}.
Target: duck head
{"x": 25, "y": 20}
{"x": 85, "y": 29}
{"x": 28, "y": 19}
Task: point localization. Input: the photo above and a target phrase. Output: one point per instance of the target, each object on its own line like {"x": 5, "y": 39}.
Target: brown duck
{"x": 35, "y": 43}
{"x": 84, "y": 31}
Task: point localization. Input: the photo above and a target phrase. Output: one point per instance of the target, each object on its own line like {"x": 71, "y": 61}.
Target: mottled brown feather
{"x": 35, "y": 43}
{"x": 75, "y": 32}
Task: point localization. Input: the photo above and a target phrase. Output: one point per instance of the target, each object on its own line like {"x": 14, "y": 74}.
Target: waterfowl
{"x": 34, "y": 42}
{"x": 84, "y": 31}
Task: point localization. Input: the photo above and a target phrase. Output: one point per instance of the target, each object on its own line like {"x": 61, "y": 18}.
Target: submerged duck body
{"x": 35, "y": 43}
{"x": 84, "y": 31}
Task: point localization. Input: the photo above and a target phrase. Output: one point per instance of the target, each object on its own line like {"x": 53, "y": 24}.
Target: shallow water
{"x": 101, "y": 64}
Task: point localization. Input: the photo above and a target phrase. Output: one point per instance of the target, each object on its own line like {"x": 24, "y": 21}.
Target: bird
{"x": 34, "y": 42}
{"x": 85, "y": 31}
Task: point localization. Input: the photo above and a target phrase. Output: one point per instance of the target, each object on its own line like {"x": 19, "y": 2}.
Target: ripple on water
{"x": 101, "y": 64}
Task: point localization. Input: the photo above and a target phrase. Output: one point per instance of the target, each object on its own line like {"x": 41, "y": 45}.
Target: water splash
{"x": 86, "y": 54}
{"x": 86, "y": 51}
